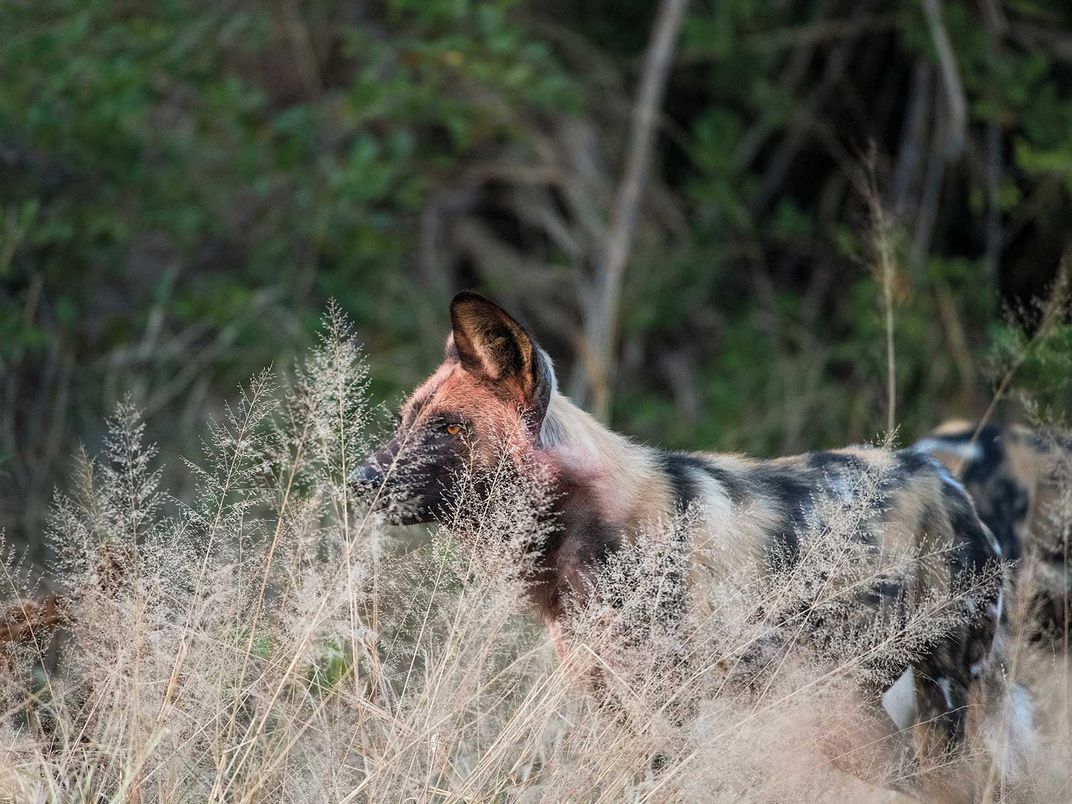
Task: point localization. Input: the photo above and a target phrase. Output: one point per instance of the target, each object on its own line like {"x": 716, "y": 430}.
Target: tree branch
{"x": 601, "y": 324}
{"x": 954, "y": 91}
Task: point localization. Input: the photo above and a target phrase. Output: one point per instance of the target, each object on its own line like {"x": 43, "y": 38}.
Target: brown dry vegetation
{"x": 273, "y": 640}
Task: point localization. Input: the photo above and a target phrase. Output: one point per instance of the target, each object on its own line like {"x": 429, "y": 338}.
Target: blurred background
{"x": 185, "y": 183}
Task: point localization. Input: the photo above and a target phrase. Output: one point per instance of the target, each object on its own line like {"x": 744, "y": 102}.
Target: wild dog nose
{"x": 367, "y": 477}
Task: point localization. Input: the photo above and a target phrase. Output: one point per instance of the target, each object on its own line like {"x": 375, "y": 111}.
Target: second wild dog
{"x": 1020, "y": 480}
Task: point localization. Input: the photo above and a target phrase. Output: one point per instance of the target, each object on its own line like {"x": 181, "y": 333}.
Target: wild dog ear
{"x": 491, "y": 344}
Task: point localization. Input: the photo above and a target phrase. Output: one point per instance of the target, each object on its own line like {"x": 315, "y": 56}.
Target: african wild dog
{"x": 495, "y": 384}
{"x": 1020, "y": 481}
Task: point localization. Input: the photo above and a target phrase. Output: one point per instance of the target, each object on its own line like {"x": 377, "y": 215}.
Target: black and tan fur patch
{"x": 918, "y": 537}
{"x": 1020, "y": 481}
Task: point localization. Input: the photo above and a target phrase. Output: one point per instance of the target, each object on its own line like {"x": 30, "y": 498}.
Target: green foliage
{"x": 332, "y": 666}
{"x": 152, "y": 123}
{"x": 767, "y": 352}
{"x": 184, "y": 184}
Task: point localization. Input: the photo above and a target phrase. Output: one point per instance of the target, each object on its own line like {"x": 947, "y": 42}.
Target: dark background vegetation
{"x": 184, "y": 183}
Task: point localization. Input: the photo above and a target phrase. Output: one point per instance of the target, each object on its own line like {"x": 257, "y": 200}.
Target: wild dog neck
{"x": 617, "y": 478}
{"x": 606, "y": 488}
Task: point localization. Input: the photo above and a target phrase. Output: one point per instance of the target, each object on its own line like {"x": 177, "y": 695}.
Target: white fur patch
{"x": 949, "y": 480}
{"x": 1010, "y": 734}
{"x": 722, "y": 543}
{"x": 943, "y": 473}
{"x": 998, "y": 607}
{"x": 965, "y": 451}
{"x": 842, "y": 489}
{"x": 899, "y": 700}
{"x": 947, "y": 687}
{"x": 992, "y": 539}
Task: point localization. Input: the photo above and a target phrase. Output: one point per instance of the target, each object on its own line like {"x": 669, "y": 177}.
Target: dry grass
{"x": 273, "y": 640}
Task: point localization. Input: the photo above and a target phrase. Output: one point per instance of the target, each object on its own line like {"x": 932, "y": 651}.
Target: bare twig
{"x": 913, "y": 136}
{"x": 886, "y": 268}
{"x": 996, "y": 25}
{"x": 301, "y": 41}
{"x": 601, "y": 325}
{"x": 819, "y": 32}
{"x": 930, "y": 195}
{"x": 994, "y": 174}
{"x": 800, "y": 126}
{"x": 954, "y": 91}
{"x": 789, "y": 80}
{"x": 1055, "y": 43}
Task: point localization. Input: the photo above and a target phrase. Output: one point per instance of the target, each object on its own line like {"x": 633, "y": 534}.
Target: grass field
{"x": 272, "y": 639}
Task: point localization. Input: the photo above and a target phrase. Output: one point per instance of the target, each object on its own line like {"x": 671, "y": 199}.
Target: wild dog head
{"x": 489, "y": 394}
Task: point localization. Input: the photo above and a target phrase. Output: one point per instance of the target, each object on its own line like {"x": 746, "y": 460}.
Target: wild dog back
{"x": 903, "y": 534}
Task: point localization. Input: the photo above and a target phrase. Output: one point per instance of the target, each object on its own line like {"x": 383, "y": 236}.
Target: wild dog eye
{"x": 453, "y": 429}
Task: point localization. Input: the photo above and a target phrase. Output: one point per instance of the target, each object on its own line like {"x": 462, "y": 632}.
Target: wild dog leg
{"x": 945, "y": 680}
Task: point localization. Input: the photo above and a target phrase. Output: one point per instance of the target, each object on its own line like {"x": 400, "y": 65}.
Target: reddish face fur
{"x": 489, "y": 393}
{"x": 490, "y": 415}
